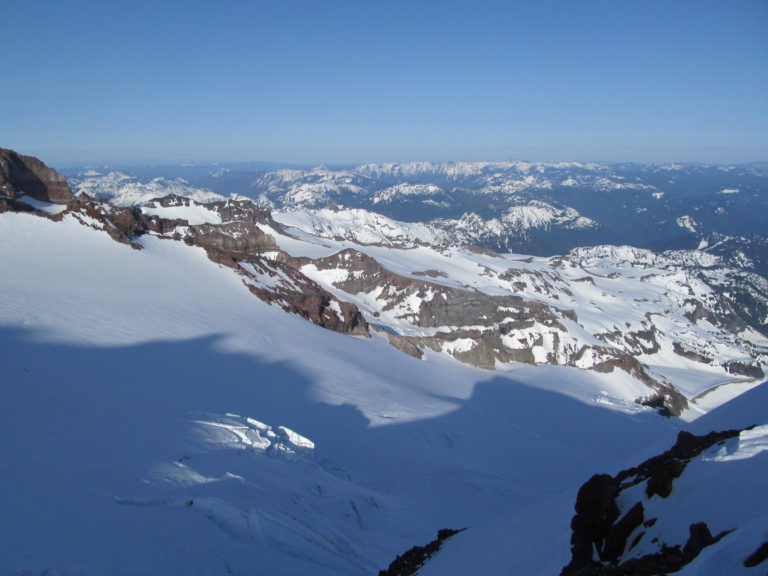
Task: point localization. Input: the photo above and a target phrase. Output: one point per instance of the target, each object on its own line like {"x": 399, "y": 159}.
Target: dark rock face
{"x": 231, "y": 237}
{"x": 596, "y": 511}
{"x": 689, "y": 354}
{"x": 240, "y": 243}
{"x": 598, "y": 526}
{"x": 700, "y": 537}
{"x": 446, "y": 307}
{"x": 410, "y": 561}
{"x": 660, "y": 471}
{"x": 745, "y": 369}
{"x": 757, "y": 557}
{"x": 297, "y": 294}
{"x": 243, "y": 211}
{"x": 618, "y": 534}
{"x": 21, "y": 174}
{"x": 405, "y": 345}
{"x": 12, "y": 205}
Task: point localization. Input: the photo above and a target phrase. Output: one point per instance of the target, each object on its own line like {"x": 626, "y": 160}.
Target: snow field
{"x": 127, "y": 370}
{"x": 624, "y": 281}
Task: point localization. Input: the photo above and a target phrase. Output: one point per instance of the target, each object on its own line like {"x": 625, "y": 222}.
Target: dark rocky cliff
{"x": 21, "y": 174}
{"x": 603, "y": 534}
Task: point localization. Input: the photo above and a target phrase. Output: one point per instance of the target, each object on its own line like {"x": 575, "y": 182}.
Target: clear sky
{"x": 312, "y": 81}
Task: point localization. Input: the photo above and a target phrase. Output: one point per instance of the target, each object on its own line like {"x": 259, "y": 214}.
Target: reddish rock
{"x": 21, "y": 174}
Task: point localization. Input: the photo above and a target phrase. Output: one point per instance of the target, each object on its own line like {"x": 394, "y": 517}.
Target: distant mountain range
{"x": 532, "y": 208}
{"x": 431, "y": 281}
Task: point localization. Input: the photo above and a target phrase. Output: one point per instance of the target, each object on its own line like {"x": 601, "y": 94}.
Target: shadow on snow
{"x": 84, "y": 429}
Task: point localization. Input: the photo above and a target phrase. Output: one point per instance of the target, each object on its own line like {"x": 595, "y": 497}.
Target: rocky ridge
{"x": 408, "y": 563}
{"x": 21, "y": 175}
{"x": 235, "y": 241}
{"x": 533, "y": 208}
{"x": 565, "y": 310}
{"x": 529, "y": 312}
{"x": 558, "y": 311}
{"x": 611, "y": 519}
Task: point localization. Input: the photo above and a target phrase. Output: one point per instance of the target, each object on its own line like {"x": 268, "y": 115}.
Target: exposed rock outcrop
{"x": 235, "y": 238}
{"x": 408, "y": 563}
{"x": 602, "y": 535}
{"x": 239, "y": 244}
{"x": 13, "y": 205}
{"x": 123, "y": 224}
{"x": 278, "y": 283}
{"x": 484, "y": 329}
{"x": 21, "y": 174}
{"x": 757, "y": 557}
{"x": 749, "y": 369}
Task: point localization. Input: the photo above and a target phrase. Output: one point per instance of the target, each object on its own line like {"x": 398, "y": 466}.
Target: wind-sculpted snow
{"x": 207, "y": 454}
{"x": 235, "y": 432}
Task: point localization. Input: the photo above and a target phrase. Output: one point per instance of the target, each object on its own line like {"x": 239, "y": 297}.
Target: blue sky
{"x": 312, "y": 81}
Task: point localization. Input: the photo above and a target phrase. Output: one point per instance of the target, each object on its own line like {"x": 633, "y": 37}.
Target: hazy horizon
{"x": 342, "y": 82}
{"x": 127, "y": 161}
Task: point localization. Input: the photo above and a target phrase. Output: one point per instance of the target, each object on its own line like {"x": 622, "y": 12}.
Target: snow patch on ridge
{"x": 749, "y": 444}
{"x": 194, "y": 214}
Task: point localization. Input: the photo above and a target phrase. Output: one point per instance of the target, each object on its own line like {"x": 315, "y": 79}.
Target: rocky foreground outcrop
{"x": 604, "y": 534}
{"x": 21, "y": 175}
{"x": 408, "y": 563}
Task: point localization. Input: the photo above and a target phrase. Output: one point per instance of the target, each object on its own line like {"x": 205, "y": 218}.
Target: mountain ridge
{"x": 647, "y": 205}
{"x": 494, "y": 310}
{"x": 163, "y": 379}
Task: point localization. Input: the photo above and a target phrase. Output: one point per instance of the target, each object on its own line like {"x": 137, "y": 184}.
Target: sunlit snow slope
{"x": 158, "y": 418}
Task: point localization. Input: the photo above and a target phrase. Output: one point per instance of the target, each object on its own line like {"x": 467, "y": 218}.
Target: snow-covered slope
{"x": 164, "y": 413}
{"x": 366, "y": 227}
{"x": 361, "y": 226}
{"x": 136, "y": 385}
{"x": 591, "y": 309}
{"x": 723, "y": 487}
{"x": 690, "y": 309}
